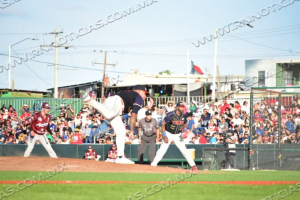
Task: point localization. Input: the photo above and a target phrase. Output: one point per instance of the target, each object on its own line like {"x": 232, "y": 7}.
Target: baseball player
{"x": 40, "y": 124}
{"x": 148, "y": 133}
{"x": 112, "y": 154}
{"x": 91, "y": 154}
{"x": 113, "y": 107}
{"x": 172, "y": 126}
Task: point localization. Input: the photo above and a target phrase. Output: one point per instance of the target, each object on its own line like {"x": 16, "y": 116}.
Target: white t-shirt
{"x": 237, "y": 121}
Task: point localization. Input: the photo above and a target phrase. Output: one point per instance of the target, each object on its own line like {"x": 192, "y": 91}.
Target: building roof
{"x": 22, "y": 90}
{"x": 78, "y": 85}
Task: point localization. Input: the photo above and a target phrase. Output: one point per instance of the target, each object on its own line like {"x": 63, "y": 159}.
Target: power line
{"x": 31, "y": 69}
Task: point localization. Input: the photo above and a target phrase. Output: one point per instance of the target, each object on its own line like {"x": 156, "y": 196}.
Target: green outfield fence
{"x": 265, "y": 156}
{"x": 17, "y": 103}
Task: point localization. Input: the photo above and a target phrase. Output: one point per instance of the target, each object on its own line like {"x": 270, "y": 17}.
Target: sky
{"x": 153, "y": 39}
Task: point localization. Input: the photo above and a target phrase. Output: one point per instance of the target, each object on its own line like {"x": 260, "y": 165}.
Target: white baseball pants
{"x": 111, "y": 109}
{"x": 45, "y": 142}
{"x": 180, "y": 145}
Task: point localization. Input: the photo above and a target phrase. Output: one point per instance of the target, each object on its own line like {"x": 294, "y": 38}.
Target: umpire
{"x": 148, "y": 133}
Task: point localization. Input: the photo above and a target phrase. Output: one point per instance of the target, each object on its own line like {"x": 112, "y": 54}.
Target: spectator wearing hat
{"x": 112, "y": 154}
{"x": 69, "y": 113}
{"x": 77, "y": 137}
{"x": 91, "y": 154}
{"x": 202, "y": 139}
{"x": 148, "y": 134}
{"x": 25, "y": 107}
{"x": 260, "y": 130}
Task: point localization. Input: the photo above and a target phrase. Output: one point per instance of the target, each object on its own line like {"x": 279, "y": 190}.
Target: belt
{"x": 150, "y": 135}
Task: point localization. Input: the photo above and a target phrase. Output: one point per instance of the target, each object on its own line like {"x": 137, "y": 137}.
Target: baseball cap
{"x": 148, "y": 112}
{"x": 113, "y": 145}
{"x": 72, "y": 117}
{"x": 45, "y": 105}
{"x": 141, "y": 87}
{"x": 66, "y": 123}
{"x": 90, "y": 147}
{"x": 180, "y": 104}
{"x": 62, "y": 105}
{"x": 200, "y": 132}
{"x": 76, "y": 130}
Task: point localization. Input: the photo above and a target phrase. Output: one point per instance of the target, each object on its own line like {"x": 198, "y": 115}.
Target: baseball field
{"x": 62, "y": 178}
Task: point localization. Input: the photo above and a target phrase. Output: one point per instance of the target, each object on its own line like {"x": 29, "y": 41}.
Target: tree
{"x": 167, "y": 72}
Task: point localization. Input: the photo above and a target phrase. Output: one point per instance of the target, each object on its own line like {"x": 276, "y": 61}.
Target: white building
{"x": 272, "y": 72}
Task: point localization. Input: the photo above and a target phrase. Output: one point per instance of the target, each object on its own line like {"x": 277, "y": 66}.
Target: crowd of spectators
{"x": 207, "y": 123}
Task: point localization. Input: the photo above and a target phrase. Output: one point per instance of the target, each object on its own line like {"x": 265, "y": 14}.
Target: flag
{"x": 196, "y": 69}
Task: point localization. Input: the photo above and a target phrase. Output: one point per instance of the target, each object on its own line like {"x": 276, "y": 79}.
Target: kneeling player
{"x": 112, "y": 154}
{"x": 171, "y": 127}
{"x": 91, "y": 154}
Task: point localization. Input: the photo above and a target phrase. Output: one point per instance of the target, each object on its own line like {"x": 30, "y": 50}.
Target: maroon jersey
{"x": 112, "y": 152}
{"x": 38, "y": 123}
{"x": 92, "y": 154}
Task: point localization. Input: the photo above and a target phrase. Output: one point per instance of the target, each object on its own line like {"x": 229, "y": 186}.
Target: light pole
{"x": 215, "y": 60}
{"x": 9, "y": 52}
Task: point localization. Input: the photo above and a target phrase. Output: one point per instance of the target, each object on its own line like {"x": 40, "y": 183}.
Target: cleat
{"x": 123, "y": 160}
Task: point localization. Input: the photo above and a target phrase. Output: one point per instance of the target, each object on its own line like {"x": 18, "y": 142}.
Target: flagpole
{"x": 188, "y": 78}
{"x": 215, "y": 71}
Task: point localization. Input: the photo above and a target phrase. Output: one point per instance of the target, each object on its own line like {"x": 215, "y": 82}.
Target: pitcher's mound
{"x": 78, "y": 165}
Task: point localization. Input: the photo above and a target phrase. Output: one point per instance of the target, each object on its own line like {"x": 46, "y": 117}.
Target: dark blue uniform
{"x": 174, "y": 123}
{"x": 132, "y": 100}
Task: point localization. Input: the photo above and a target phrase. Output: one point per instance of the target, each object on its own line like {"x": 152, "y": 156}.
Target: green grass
{"x": 176, "y": 191}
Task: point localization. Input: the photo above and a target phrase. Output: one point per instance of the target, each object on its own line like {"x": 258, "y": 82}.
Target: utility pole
{"x": 9, "y": 66}
{"x": 215, "y": 69}
{"x": 104, "y": 71}
{"x": 56, "y": 45}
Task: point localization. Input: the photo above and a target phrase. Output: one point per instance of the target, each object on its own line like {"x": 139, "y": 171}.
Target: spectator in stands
{"x": 94, "y": 132}
{"x": 260, "y": 130}
{"x": 259, "y": 140}
{"x": 213, "y": 139}
{"x": 228, "y": 116}
{"x": 202, "y": 139}
{"x": 237, "y": 121}
{"x": 10, "y": 138}
{"x": 193, "y": 106}
{"x": 69, "y": 113}
{"x": 232, "y": 109}
{"x": 87, "y": 133}
{"x": 224, "y": 106}
{"x": 238, "y": 107}
{"x": 170, "y": 106}
{"x": 246, "y": 107}
{"x": 290, "y": 124}
{"x": 77, "y": 137}
{"x": 3, "y": 137}
{"x": 191, "y": 122}
{"x": 205, "y": 117}
{"x": 24, "y": 115}
{"x": 223, "y": 126}
{"x": 25, "y": 107}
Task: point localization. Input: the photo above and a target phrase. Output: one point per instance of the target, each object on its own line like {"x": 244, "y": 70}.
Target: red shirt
{"x": 76, "y": 139}
{"x": 24, "y": 116}
{"x": 223, "y": 108}
{"x": 202, "y": 140}
{"x": 38, "y": 123}
{"x": 92, "y": 154}
{"x": 238, "y": 107}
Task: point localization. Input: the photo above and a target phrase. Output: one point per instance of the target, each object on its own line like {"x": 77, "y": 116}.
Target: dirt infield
{"x": 156, "y": 182}
{"x": 79, "y": 165}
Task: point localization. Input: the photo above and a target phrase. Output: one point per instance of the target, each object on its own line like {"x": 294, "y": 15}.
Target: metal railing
{"x": 100, "y": 134}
